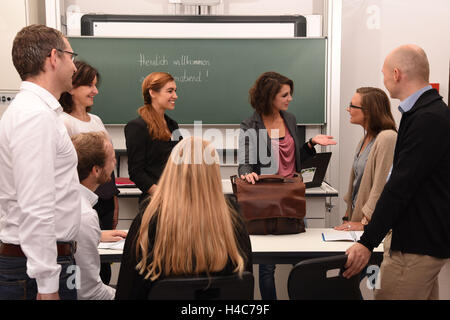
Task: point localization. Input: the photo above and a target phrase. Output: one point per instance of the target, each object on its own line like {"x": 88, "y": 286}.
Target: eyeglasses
{"x": 354, "y": 107}
{"x": 72, "y": 54}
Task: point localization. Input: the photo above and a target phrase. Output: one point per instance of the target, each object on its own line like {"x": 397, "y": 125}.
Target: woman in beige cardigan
{"x": 370, "y": 108}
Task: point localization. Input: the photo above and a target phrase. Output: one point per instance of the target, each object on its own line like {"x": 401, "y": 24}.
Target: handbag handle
{"x": 265, "y": 177}
{"x": 271, "y": 177}
{"x": 275, "y": 177}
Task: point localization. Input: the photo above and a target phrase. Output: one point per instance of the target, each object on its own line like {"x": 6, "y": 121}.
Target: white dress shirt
{"x": 87, "y": 256}
{"x": 39, "y": 193}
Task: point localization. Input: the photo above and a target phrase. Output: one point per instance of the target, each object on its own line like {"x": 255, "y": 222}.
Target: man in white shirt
{"x": 39, "y": 193}
{"x": 96, "y": 161}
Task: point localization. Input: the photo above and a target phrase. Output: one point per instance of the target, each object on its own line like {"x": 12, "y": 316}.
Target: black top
{"x": 415, "y": 202}
{"x": 147, "y": 157}
{"x": 132, "y": 285}
{"x": 250, "y": 143}
{"x": 108, "y": 190}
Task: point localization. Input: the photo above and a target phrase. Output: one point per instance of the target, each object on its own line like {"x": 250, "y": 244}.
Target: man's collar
{"x": 409, "y": 102}
{"x": 88, "y": 195}
{"x": 42, "y": 93}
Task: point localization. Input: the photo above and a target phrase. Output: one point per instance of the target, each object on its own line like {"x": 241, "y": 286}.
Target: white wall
{"x": 227, "y": 7}
{"x": 12, "y": 19}
{"x": 370, "y": 30}
{"x": 14, "y": 15}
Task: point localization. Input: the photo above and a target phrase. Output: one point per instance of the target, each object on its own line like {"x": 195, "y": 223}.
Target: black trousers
{"x": 105, "y": 211}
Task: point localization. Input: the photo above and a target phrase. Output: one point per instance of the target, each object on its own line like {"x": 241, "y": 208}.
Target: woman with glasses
{"x": 151, "y": 137}
{"x": 369, "y": 108}
{"x": 273, "y": 127}
{"x": 188, "y": 227}
{"x": 76, "y": 104}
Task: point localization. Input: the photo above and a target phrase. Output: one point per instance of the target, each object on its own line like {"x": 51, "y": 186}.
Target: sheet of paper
{"x": 112, "y": 245}
{"x": 337, "y": 235}
{"x": 308, "y": 174}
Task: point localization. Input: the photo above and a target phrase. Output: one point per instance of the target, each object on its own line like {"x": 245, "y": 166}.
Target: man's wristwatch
{"x": 311, "y": 143}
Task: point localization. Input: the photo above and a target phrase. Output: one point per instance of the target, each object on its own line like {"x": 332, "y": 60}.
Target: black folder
{"x": 314, "y": 169}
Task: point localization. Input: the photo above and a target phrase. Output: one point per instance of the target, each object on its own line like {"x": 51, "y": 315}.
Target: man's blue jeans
{"x": 16, "y": 285}
{"x": 267, "y": 282}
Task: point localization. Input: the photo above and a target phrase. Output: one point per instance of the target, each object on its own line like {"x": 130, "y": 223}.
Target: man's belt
{"x": 14, "y": 250}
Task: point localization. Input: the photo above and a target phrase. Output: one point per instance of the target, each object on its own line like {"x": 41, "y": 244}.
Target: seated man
{"x": 96, "y": 161}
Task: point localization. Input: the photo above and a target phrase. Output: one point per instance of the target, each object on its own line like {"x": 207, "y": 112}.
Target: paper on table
{"x": 308, "y": 174}
{"x": 112, "y": 245}
{"x": 337, "y": 235}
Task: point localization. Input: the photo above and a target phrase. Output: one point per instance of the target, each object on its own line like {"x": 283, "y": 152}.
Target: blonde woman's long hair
{"x": 195, "y": 225}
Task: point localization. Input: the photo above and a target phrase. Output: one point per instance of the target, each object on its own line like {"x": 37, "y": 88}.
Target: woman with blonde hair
{"x": 149, "y": 138}
{"x": 188, "y": 227}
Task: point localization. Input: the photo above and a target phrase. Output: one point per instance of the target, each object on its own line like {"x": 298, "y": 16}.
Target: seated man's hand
{"x": 113, "y": 235}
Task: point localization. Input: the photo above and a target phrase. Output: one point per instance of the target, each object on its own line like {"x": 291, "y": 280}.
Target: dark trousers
{"x": 267, "y": 282}
{"x": 105, "y": 211}
{"x": 15, "y": 284}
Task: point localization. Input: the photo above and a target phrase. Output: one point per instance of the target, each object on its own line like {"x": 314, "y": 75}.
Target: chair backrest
{"x": 204, "y": 288}
{"x": 321, "y": 279}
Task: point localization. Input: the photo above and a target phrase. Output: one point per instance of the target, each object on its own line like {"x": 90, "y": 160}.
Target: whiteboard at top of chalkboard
{"x": 193, "y": 26}
{"x": 189, "y": 30}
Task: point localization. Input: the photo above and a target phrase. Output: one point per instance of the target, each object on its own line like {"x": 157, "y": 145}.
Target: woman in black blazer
{"x": 268, "y": 144}
{"x": 151, "y": 137}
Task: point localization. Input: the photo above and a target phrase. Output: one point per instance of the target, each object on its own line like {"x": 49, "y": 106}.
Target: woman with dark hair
{"x": 269, "y": 144}
{"x": 371, "y": 109}
{"x": 76, "y": 104}
{"x": 149, "y": 137}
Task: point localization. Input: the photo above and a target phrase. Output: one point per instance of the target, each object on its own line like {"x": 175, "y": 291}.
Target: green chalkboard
{"x": 213, "y": 76}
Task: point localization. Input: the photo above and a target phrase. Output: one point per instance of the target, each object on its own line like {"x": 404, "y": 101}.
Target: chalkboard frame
{"x": 88, "y": 20}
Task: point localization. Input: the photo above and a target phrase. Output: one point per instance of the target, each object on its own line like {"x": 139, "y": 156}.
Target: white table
{"x": 325, "y": 190}
{"x": 281, "y": 249}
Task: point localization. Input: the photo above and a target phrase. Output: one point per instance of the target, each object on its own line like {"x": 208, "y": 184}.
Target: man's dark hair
{"x": 32, "y": 45}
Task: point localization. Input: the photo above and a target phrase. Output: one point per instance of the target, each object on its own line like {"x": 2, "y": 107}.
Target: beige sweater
{"x": 374, "y": 177}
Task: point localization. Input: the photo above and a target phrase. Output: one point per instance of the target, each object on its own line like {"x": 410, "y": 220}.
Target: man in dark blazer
{"x": 415, "y": 200}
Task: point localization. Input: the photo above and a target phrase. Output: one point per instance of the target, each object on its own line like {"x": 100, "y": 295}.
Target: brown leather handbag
{"x": 273, "y": 205}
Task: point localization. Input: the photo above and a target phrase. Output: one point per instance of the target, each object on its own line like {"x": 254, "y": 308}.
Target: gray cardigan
{"x": 374, "y": 177}
{"x": 255, "y": 154}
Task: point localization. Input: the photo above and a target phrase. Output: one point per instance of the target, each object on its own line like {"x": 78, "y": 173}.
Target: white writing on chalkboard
{"x": 182, "y": 62}
{"x": 186, "y": 60}
{"x": 155, "y": 61}
{"x": 185, "y": 77}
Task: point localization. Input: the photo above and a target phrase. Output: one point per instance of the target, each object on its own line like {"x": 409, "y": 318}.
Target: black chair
{"x": 321, "y": 279}
{"x": 204, "y": 288}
